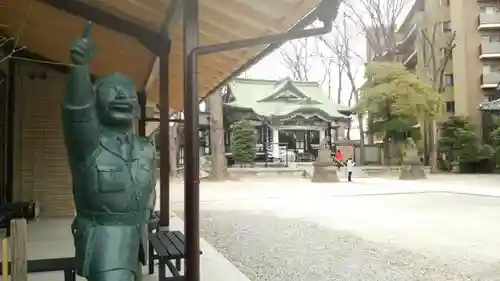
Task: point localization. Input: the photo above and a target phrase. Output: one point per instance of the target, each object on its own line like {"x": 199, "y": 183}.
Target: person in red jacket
{"x": 338, "y": 157}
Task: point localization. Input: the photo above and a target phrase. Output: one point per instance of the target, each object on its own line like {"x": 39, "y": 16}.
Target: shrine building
{"x": 288, "y": 115}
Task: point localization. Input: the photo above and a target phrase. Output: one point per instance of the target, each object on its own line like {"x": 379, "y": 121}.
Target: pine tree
{"x": 397, "y": 100}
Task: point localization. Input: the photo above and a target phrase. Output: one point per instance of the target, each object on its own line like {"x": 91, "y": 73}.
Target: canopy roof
{"x": 47, "y": 28}
{"x": 283, "y": 98}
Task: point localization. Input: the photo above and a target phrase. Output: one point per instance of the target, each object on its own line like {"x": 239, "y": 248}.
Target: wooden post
{"x": 5, "y": 259}
{"x": 19, "y": 241}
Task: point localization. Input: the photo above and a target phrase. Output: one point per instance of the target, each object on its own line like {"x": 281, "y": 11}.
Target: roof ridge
{"x": 275, "y": 81}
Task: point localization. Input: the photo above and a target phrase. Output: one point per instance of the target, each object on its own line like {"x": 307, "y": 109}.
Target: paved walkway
{"x": 443, "y": 228}
{"x": 52, "y": 238}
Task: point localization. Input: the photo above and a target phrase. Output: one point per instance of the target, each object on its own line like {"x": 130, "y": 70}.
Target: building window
{"x": 489, "y": 10}
{"x": 489, "y": 68}
{"x": 446, "y": 26}
{"x": 450, "y": 106}
{"x": 491, "y": 38}
{"x": 448, "y": 79}
{"x": 445, "y": 2}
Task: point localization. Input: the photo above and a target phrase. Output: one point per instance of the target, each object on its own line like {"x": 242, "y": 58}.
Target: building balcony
{"x": 490, "y": 80}
{"x": 410, "y": 35}
{"x": 489, "y": 50}
{"x": 407, "y": 44}
{"x": 410, "y": 59}
{"x": 488, "y": 21}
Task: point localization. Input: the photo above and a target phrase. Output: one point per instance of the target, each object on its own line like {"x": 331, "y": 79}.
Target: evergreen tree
{"x": 243, "y": 142}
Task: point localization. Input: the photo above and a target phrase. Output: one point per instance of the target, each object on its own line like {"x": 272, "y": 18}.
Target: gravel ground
{"x": 265, "y": 247}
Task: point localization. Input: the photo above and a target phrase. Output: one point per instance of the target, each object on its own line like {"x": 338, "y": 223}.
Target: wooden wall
{"x": 41, "y": 169}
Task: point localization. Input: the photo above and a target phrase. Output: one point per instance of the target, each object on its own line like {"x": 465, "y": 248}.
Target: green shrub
{"x": 460, "y": 144}
{"x": 243, "y": 142}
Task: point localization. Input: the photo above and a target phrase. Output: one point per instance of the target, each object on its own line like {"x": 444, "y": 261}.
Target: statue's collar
{"x": 112, "y": 141}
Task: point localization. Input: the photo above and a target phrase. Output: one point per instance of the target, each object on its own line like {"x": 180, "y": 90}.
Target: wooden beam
{"x": 27, "y": 55}
{"x": 173, "y": 16}
{"x": 164, "y": 139}
{"x": 146, "y": 37}
{"x": 141, "y": 95}
{"x": 19, "y": 240}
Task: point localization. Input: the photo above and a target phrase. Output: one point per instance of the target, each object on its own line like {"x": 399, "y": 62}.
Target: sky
{"x": 272, "y": 66}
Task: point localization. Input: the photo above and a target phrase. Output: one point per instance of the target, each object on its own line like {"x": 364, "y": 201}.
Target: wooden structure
{"x": 19, "y": 245}
{"x": 47, "y": 27}
{"x": 167, "y": 59}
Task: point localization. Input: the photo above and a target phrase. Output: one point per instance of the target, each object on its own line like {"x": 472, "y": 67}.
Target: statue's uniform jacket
{"x": 114, "y": 192}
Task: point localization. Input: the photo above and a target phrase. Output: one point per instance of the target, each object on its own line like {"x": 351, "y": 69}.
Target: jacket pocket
{"x": 144, "y": 172}
{"x": 111, "y": 178}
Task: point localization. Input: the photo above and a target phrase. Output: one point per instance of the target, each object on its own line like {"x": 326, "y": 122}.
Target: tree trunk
{"x": 434, "y": 148}
{"x": 173, "y": 148}
{"x": 361, "y": 140}
{"x": 349, "y": 124}
{"x": 386, "y": 148}
{"x": 218, "y": 163}
{"x": 371, "y": 139}
{"x": 426, "y": 138}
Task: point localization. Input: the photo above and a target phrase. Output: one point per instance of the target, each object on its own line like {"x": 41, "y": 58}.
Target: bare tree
{"x": 328, "y": 67}
{"x": 299, "y": 57}
{"x": 4, "y": 43}
{"x": 11, "y": 43}
{"x": 333, "y": 58}
{"x": 436, "y": 58}
{"x": 174, "y": 143}
{"x": 346, "y": 58}
{"x": 296, "y": 56}
{"x": 377, "y": 20}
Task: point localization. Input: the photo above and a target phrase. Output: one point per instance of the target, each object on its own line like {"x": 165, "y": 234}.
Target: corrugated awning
{"x": 490, "y": 106}
{"x": 47, "y": 27}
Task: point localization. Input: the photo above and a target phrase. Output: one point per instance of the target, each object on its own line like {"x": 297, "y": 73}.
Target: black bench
{"x": 67, "y": 265}
{"x": 166, "y": 246}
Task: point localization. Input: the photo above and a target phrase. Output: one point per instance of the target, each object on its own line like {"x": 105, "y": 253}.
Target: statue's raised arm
{"x": 80, "y": 120}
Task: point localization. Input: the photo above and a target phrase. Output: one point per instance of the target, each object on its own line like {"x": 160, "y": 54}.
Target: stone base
{"x": 325, "y": 173}
{"x": 412, "y": 172}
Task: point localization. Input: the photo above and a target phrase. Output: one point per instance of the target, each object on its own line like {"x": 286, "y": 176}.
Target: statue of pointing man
{"x": 113, "y": 170}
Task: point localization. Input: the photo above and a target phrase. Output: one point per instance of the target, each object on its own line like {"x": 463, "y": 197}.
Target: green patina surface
{"x": 271, "y": 98}
{"x": 113, "y": 170}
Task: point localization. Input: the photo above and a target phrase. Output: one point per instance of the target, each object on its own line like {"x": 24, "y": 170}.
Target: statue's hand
{"x": 83, "y": 48}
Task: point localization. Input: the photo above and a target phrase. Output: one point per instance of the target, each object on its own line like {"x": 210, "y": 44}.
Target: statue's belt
{"x": 104, "y": 218}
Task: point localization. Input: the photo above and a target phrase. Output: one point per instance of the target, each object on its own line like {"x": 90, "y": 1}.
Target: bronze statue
{"x": 113, "y": 170}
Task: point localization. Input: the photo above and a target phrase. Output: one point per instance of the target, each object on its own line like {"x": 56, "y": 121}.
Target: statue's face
{"x": 117, "y": 104}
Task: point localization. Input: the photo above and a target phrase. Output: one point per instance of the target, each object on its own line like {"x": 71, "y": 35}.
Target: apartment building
{"x": 473, "y": 71}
